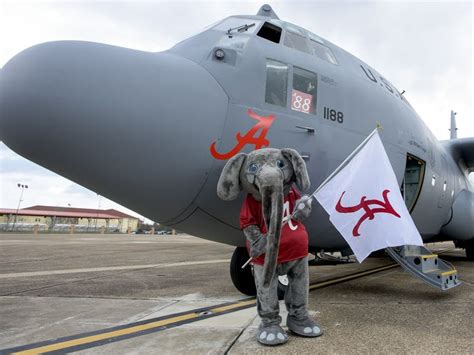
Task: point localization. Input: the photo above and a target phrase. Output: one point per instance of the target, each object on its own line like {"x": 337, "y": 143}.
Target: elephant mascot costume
{"x": 277, "y": 245}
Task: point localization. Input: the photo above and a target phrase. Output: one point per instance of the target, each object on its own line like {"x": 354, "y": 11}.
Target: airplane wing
{"x": 462, "y": 150}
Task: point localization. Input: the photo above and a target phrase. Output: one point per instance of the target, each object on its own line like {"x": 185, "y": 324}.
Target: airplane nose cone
{"x": 133, "y": 126}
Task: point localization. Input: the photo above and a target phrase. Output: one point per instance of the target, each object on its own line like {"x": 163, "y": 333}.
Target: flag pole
{"x": 348, "y": 159}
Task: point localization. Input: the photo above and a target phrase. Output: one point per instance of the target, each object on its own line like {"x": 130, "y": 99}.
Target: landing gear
{"x": 468, "y": 246}
{"x": 325, "y": 258}
{"x": 242, "y": 278}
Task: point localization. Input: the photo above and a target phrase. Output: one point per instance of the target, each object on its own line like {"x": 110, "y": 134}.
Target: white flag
{"x": 364, "y": 203}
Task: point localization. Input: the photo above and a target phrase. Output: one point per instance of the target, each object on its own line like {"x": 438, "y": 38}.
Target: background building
{"x": 63, "y": 219}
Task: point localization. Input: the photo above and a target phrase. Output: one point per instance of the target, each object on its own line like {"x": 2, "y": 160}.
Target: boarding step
{"x": 421, "y": 263}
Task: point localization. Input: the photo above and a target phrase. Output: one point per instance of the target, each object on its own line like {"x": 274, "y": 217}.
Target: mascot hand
{"x": 257, "y": 241}
{"x": 303, "y": 207}
{"x": 259, "y": 247}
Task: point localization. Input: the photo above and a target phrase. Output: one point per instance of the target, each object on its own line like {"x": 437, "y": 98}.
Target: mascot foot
{"x": 271, "y": 335}
{"x": 305, "y": 328}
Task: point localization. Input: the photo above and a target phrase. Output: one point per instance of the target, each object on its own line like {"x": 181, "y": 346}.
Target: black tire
{"x": 470, "y": 251}
{"x": 281, "y": 290}
{"x": 242, "y": 278}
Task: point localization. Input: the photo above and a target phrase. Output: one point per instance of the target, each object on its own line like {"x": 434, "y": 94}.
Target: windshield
{"x": 308, "y": 42}
{"x": 296, "y": 39}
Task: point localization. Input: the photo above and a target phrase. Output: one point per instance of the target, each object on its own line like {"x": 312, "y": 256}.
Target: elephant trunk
{"x": 272, "y": 205}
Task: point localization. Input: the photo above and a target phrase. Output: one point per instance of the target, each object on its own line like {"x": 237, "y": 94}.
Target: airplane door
{"x": 291, "y": 95}
{"x": 412, "y": 180}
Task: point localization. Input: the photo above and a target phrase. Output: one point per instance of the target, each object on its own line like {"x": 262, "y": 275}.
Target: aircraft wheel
{"x": 282, "y": 286}
{"x": 242, "y": 278}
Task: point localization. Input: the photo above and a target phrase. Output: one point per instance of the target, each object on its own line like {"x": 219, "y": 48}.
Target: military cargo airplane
{"x": 152, "y": 131}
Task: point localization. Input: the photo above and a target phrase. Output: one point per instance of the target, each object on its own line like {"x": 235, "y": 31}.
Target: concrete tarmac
{"x": 54, "y": 286}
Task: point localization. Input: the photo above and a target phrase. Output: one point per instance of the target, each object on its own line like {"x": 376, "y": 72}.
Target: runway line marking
{"x": 351, "y": 277}
{"x": 106, "y": 336}
{"x": 109, "y": 268}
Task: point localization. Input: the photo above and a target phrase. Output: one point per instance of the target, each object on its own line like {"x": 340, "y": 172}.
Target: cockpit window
{"x": 270, "y": 32}
{"x": 296, "y": 39}
{"x": 322, "y": 52}
{"x": 295, "y": 30}
{"x": 235, "y": 25}
{"x": 276, "y": 83}
{"x": 303, "y": 95}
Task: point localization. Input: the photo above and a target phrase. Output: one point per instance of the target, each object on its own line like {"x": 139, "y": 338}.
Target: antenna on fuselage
{"x": 453, "y": 130}
{"x": 266, "y": 10}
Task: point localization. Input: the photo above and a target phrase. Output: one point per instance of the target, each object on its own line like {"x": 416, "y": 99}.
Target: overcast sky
{"x": 425, "y": 48}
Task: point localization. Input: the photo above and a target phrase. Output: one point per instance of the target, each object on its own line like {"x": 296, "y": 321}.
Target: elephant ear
{"x": 229, "y": 186}
{"x": 299, "y": 167}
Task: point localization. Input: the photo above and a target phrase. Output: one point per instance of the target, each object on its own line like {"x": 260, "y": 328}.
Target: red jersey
{"x": 294, "y": 238}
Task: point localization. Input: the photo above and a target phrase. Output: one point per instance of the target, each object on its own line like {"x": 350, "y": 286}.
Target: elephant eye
{"x": 252, "y": 168}
{"x": 280, "y": 163}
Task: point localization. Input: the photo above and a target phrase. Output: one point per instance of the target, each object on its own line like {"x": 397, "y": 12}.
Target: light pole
{"x": 22, "y": 187}
{"x": 97, "y": 216}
